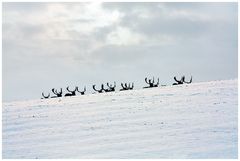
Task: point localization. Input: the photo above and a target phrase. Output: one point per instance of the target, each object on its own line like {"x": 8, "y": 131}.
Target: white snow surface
{"x": 198, "y": 120}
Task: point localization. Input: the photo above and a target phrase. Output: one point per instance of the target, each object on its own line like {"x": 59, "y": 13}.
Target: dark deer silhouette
{"x": 58, "y": 94}
{"x": 46, "y": 96}
{"x": 130, "y": 87}
{"x": 182, "y": 81}
{"x": 126, "y": 87}
{"x": 111, "y": 88}
{"x": 72, "y": 93}
{"x": 187, "y": 82}
{"x": 179, "y": 81}
{"x": 82, "y": 92}
{"x": 151, "y": 83}
{"x": 99, "y": 91}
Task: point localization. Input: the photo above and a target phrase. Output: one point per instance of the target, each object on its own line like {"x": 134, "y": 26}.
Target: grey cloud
{"x": 34, "y": 62}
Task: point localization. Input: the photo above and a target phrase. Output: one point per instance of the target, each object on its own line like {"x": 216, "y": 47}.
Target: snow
{"x": 199, "y": 120}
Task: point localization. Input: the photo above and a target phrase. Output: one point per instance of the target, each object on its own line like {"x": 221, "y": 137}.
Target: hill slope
{"x": 188, "y": 121}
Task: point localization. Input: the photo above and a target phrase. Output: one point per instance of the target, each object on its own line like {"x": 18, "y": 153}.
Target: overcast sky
{"x": 48, "y": 45}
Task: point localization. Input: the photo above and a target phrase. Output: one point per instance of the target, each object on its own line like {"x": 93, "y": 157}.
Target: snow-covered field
{"x": 199, "y": 120}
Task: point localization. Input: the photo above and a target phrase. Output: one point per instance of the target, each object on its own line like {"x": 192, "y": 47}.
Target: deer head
{"x": 58, "y": 94}
{"x": 111, "y": 87}
{"x": 123, "y": 87}
{"x": 151, "y": 83}
{"x": 82, "y": 92}
{"x": 126, "y": 86}
{"x": 178, "y": 81}
{"x": 182, "y": 81}
{"x": 99, "y": 91}
{"x": 72, "y": 93}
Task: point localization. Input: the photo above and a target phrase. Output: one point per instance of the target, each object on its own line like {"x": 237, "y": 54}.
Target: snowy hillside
{"x": 188, "y": 121}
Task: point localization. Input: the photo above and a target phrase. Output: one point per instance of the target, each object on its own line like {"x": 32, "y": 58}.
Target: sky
{"x": 55, "y": 45}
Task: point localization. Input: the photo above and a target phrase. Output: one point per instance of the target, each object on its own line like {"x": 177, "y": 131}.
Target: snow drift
{"x": 187, "y": 121}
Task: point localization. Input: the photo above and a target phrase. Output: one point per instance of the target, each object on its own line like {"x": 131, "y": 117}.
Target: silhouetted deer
{"x": 182, "y": 81}
{"x": 72, "y": 93}
{"x": 46, "y": 96}
{"x": 126, "y": 87}
{"x": 58, "y": 94}
{"x": 111, "y": 88}
{"x": 151, "y": 83}
{"x": 99, "y": 91}
{"x": 82, "y": 92}
{"x": 187, "y": 82}
{"x": 178, "y": 81}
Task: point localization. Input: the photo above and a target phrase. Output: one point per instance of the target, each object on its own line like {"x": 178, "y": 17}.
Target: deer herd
{"x": 111, "y": 87}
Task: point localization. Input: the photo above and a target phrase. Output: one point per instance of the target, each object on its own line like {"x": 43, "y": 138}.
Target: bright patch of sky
{"x": 53, "y": 45}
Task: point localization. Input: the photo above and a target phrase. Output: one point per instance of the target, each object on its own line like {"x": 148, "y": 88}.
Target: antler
{"x": 187, "y": 82}
{"x": 46, "y": 96}
{"x": 111, "y": 86}
{"x": 157, "y": 82}
{"x": 148, "y": 82}
{"x": 82, "y": 92}
{"x": 84, "y": 89}
{"x": 182, "y": 79}
{"x": 95, "y": 88}
{"x": 123, "y": 88}
{"x": 72, "y": 91}
{"x": 59, "y": 93}
{"x": 131, "y": 86}
{"x": 99, "y": 91}
{"x": 53, "y": 90}
{"x": 178, "y": 80}
{"x": 126, "y": 86}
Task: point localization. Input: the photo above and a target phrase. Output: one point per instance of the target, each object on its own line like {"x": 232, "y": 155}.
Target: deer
{"x": 99, "y": 91}
{"x": 58, "y": 94}
{"x": 126, "y": 87}
{"x": 151, "y": 83}
{"x": 111, "y": 88}
{"x": 181, "y": 81}
{"x": 187, "y": 82}
{"x": 178, "y": 81}
{"x": 82, "y": 92}
{"x": 72, "y": 93}
{"x": 45, "y": 97}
